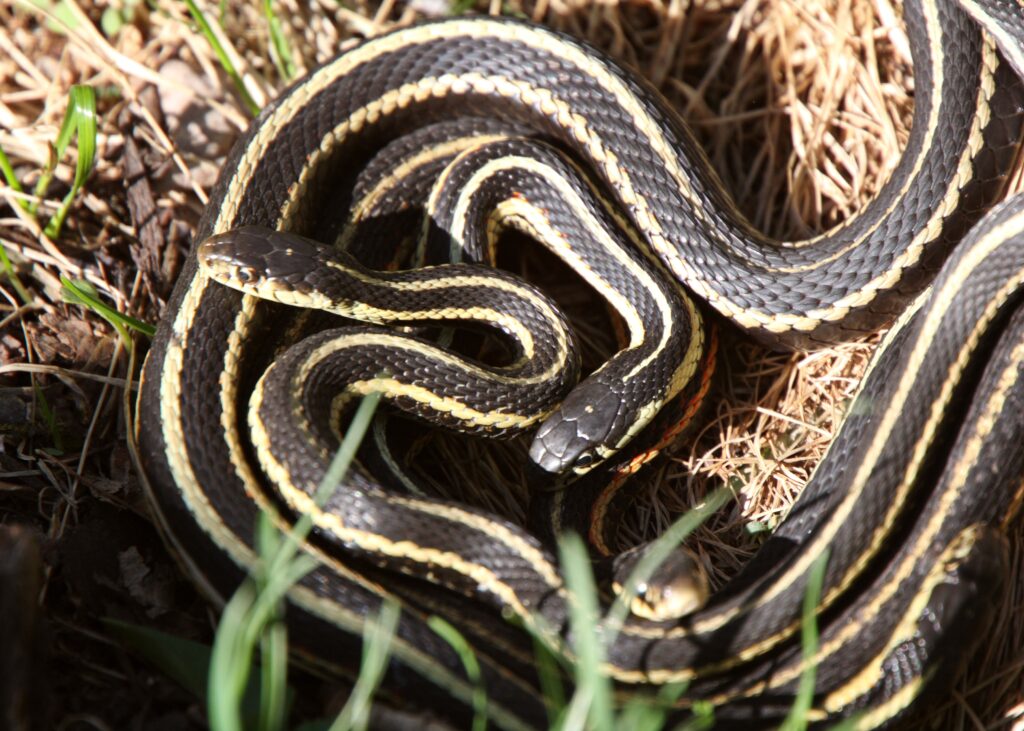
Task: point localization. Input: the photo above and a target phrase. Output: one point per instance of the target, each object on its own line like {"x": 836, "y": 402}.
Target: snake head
{"x": 677, "y": 587}
{"x": 260, "y": 261}
{"x": 582, "y": 432}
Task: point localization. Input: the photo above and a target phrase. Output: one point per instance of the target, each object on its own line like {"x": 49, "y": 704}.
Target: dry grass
{"x": 802, "y": 106}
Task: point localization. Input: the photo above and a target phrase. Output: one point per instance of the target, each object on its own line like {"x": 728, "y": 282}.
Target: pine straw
{"x": 802, "y": 106}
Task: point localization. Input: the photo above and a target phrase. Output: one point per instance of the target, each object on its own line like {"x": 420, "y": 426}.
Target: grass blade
{"x": 80, "y": 122}
{"x": 230, "y": 662}
{"x": 12, "y": 180}
{"x": 281, "y": 51}
{"x": 50, "y": 418}
{"x": 454, "y": 638}
{"x": 225, "y": 61}
{"x": 82, "y": 293}
{"x": 377, "y": 639}
{"x": 591, "y": 704}
{"x": 796, "y": 720}
{"x": 257, "y": 606}
{"x": 274, "y": 675}
{"x": 332, "y": 478}
{"x": 23, "y": 294}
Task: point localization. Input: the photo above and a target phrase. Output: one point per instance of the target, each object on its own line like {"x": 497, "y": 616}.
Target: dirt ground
{"x": 802, "y": 106}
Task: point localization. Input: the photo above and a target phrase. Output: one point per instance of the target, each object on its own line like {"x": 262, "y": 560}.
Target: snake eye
{"x": 245, "y": 275}
{"x": 585, "y": 460}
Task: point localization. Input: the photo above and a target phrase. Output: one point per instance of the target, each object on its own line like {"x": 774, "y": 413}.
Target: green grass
{"x": 253, "y": 617}
{"x": 243, "y": 694}
{"x": 84, "y": 294}
{"x": 281, "y": 51}
{"x": 659, "y": 550}
{"x": 376, "y": 651}
{"x": 8, "y": 268}
{"x": 79, "y": 123}
{"x": 591, "y": 705}
{"x": 797, "y": 718}
{"x": 9, "y": 176}
{"x": 469, "y": 662}
{"x": 206, "y": 28}
{"x": 461, "y": 7}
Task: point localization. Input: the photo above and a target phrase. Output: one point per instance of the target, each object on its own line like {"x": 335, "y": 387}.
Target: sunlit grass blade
{"x": 377, "y": 639}
{"x": 454, "y": 638}
{"x": 643, "y": 713}
{"x": 591, "y": 705}
{"x": 83, "y": 293}
{"x": 12, "y": 180}
{"x": 244, "y": 623}
{"x": 273, "y": 641}
{"x": 230, "y": 661}
{"x": 273, "y": 675}
{"x": 258, "y": 604}
{"x": 225, "y": 61}
{"x": 796, "y": 720}
{"x": 79, "y": 122}
{"x": 281, "y": 51}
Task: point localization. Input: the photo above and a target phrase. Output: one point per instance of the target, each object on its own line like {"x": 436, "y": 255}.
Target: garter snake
{"x": 904, "y": 501}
